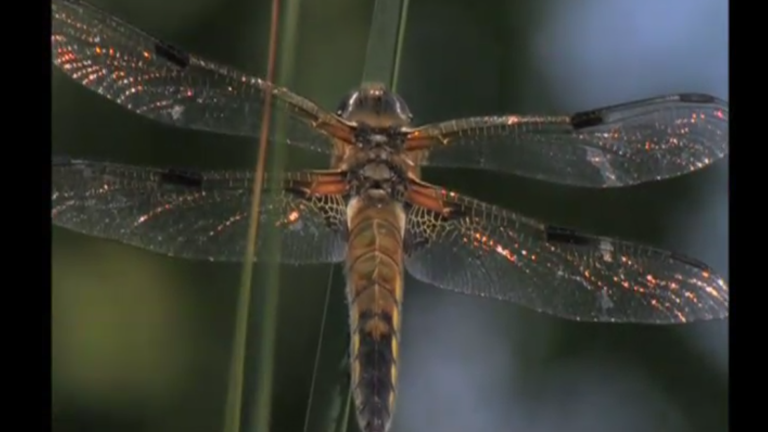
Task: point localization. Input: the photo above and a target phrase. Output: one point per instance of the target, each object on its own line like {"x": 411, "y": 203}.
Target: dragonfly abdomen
{"x": 375, "y": 292}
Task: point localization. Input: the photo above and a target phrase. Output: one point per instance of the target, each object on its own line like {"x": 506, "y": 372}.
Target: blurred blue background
{"x": 142, "y": 342}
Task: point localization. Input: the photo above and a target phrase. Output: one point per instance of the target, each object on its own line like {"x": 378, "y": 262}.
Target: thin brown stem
{"x": 263, "y": 402}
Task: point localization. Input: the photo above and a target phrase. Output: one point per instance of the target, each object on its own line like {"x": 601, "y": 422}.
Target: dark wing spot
{"x": 586, "y": 119}
{"x": 454, "y": 212}
{"x": 696, "y": 98}
{"x": 296, "y": 191}
{"x": 172, "y": 54}
{"x": 568, "y": 236}
{"x": 691, "y": 262}
{"x": 183, "y": 179}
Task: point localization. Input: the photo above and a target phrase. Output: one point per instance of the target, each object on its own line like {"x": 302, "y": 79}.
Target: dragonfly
{"x": 370, "y": 210}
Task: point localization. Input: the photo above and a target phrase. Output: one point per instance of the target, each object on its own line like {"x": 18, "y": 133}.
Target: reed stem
{"x": 385, "y": 42}
{"x": 269, "y": 276}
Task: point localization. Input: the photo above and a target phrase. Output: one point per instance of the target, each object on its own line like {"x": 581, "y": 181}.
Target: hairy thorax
{"x": 377, "y": 169}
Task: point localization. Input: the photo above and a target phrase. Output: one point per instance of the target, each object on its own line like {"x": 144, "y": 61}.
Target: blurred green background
{"x": 141, "y": 342}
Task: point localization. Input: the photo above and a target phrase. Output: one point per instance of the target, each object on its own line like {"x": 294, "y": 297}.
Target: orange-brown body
{"x": 374, "y": 263}
{"x": 374, "y": 271}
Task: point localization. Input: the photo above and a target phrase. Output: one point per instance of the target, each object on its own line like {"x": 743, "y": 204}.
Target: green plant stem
{"x": 385, "y": 39}
{"x": 270, "y": 277}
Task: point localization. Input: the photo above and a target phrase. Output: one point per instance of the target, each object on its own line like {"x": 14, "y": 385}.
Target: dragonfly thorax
{"x": 377, "y": 178}
{"x": 378, "y": 171}
{"x": 386, "y": 138}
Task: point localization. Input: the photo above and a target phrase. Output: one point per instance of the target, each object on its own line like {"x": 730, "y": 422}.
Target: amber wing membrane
{"x": 161, "y": 82}
{"x": 620, "y": 145}
{"x": 475, "y": 248}
{"x": 198, "y": 215}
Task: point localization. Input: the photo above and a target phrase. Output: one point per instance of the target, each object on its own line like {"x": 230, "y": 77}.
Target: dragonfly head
{"x": 373, "y": 105}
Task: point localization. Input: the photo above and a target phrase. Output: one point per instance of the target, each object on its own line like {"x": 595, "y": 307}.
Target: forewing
{"x": 159, "y": 81}
{"x": 198, "y": 215}
{"x": 464, "y": 245}
{"x": 620, "y": 145}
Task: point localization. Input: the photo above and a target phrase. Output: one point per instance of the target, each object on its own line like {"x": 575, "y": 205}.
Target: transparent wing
{"x": 620, "y": 145}
{"x": 154, "y": 79}
{"x": 199, "y": 215}
{"x": 461, "y": 244}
